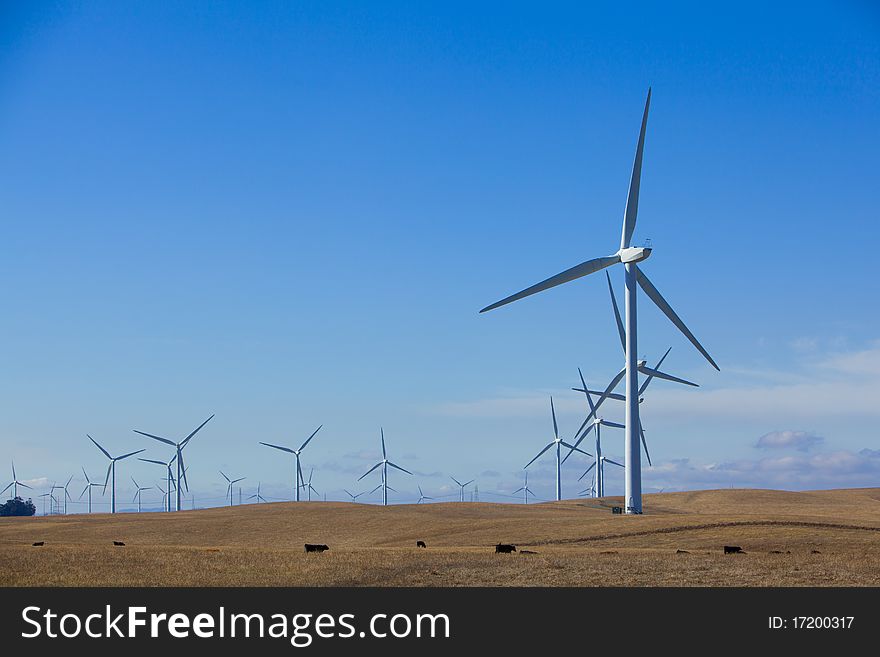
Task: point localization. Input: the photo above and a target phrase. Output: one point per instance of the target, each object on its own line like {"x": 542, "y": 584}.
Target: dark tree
{"x": 18, "y": 507}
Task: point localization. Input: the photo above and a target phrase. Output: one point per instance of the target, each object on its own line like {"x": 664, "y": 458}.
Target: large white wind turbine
{"x": 181, "y": 467}
{"x": 384, "y": 463}
{"x": 229, "y": 487}
{"x": 296, "y": 452}
{"x": 558, "y": 443}
{"x": 111, "y": 470}
{"x": 258, "y": 497}
{"x": 629, "y": 256}
{"x": 89, "y": 485}
{"x": 14, "y": 484}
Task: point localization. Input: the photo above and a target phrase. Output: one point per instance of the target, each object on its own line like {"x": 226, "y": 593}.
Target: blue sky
{"x": 289, "y": 215}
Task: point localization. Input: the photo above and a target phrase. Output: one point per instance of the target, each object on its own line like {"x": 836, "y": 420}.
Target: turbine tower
{"x": 384, "y": 463}
{"x": 181, "y": 467}
{"x": 300, "y": 482}
{"x": 461, "y": 487}
{"x": 558, "y": 443}
{"x": 630, "y": 257}
{"x": 229, "y": 487}
{"x": 15, "y": 484}
{"x": 89, "y": 485}
{"x": 111, "y": 470}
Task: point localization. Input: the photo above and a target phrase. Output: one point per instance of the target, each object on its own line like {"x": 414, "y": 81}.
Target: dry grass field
{"x": 823, "y": 538}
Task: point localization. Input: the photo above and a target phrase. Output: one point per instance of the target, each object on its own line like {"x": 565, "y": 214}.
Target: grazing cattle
{"x": 421, "y": 544}
{"x": 682, "y": 552}
{"x": 733, "y": 549}
{"x": 504, "y": 548}
{"x": 118, "y": 543}
{"x": 608, "y": 552}
{"x": 775, "y": 551}
{"x": 815, "y": 552}
{"x": 310, "y": 547}
{"x": 39, "y": 543}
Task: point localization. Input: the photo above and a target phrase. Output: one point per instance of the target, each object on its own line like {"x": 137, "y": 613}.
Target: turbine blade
{"x": 587, "y": 471}
{"x": 81, "y": 494}
{"x": 469, "y": 483}
{"x": 125, "y": 456}
{"x": 534, "y": 459}
{"x": 183, "y": 474}
{"x": 152, "y": 461}
{"x": 586, "y": 391}
{"x": 6, "y": 489}
{"x": 614, "y": 462}
{"x": 159, "y": 438}
{"x": 107, "y": 478}
{"x": 106, "y": 453}
{"x": 309, "y": 438}
{"x": 616, "y": 425}
{"x": 555, "y": 427}
{"x": 455, "y": 480}
{"x": 224, "y": 475}
{"x": 579, "y": 441}
{"x": 644, "y": 369}
{"x": 14, "y": 476}
{"x": 611, "y": 395}
{"x": 611, "y": 386}
{"x": 195, "y": 431}
{"x": 384, "y": 456}
{"x": 620, "y": 330}
{"x": 394, "y": 465}
{"x": 573, "y": 448}
{"x": 658, "y": 299}
{"x": 578, "y": 271}
{"x": 632, "y": 200}
{"x": 283, "y": 449}
{"x": 370, "y": 470}
{"x": 645, "y": 443}
{"x": 656, "y": 367}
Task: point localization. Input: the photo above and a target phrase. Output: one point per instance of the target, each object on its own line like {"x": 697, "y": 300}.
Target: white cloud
{"x": 800, "y": 440}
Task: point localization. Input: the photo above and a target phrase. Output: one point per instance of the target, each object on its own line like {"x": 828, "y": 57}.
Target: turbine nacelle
{"x": 634, "y": 254}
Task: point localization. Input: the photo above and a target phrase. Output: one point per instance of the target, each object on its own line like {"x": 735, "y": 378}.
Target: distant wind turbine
{"x": 558, "y": 443}
{"x": 384, "y": 463}
{"x": 181, "y": 467}
{"x": 352, "y": 495}
{"x": 15, "y": 484}
{"x": 296, "y": 452}
{"x": 461, "y": 487}
{"x": 526, "y": 491}
{"x": 308, "y": 485}
{"x": 229, "y": 487}
{"x": 89, "y": 485}
{"x": 169, "y": 477}
{"x": 137, "y": 495}
{"x": 422, "y": 496}
{"x": 111, "y": 470}
{"x": 257, "y": 496}
{"x": 629, "y": 256}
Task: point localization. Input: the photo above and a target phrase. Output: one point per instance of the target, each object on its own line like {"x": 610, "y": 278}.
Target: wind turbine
{"x": 259, "y": 497}
{"x": 461, "y": 487}
{"x": 526, "y": 491}
{"x": 382, "y": 485}
{"x": 229, "y": 487}
{"x": 166, "y": 498}
{"x": 15, "y": 484}
{"x": 629, "y": 256}
{"x": 51, "y": 497}
{"x": 296, "y": 453}
{"x": 591, "y": 491}
{"x": 384, "y": 463}
{"x": 308, "y": 485}
{"x": 181, "y": 467}
{"x": 111, "y": 470}
{"x": 63, "y": 500}
{"x": 137, "y": 495}
{"x": 599, "y": 464}
{"x": 89, "y": 485}
{"x": 352, "y": 495}
{"x": 169, "y": 479}
{"x": 558, "y": 443}
{"x": 67, "y": 494}
{"x": 422, "y": 496}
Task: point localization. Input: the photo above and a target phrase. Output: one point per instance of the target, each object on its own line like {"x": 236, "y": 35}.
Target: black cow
{"x": 39, "y": 543}
{"x": 311, "y": 547}
{"x": 118, "y": 543}
{"x": 421, "y": 544}
{"x": 682, "y": 552}
{"x": 733, "y": 549}
{"x": 504, "y": 548}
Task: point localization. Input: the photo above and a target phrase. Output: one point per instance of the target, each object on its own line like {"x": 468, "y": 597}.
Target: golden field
{"x": 822, "y": 538}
